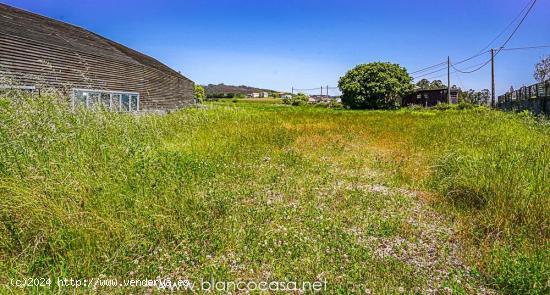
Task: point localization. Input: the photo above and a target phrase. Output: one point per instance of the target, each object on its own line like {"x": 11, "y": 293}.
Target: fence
{"x": 534, "y": 98}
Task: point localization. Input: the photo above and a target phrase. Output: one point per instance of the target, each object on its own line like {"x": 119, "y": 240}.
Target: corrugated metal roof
{"x": 21, "y": 23}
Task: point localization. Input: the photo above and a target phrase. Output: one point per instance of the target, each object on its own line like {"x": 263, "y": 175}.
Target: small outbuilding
{"x": 36, "y": 51}
{"x": 429, "y": 97}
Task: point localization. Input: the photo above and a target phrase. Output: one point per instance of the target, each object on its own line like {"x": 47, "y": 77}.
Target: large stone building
{"x": 36, "y": 52}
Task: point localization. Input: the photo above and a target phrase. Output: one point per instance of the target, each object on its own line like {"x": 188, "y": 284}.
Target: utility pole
{"x": 292, "y": 90}
{"x": 449, "y": 79}
{"x": 321, "y": 90}
{"x": 492, "y": 77}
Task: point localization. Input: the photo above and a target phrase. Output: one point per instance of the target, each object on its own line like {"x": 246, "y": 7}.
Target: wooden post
{"x": 492, "y": 77}
{"x": 449, "y": 79}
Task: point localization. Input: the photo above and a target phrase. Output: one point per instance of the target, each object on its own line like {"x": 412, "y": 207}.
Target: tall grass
{"x": 495, "y": 173}
{"x": 87, "y": 192}
{"x": 248, "y": 190}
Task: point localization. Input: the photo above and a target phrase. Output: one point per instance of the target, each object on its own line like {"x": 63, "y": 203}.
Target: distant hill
{"x": 213, "y": 90}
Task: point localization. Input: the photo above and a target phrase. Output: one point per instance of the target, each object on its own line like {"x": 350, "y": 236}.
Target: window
{"x": 115, "y": 102}
{"x": 125, "y": 103}
{"x": 80, "y": 98}
{"x": 134, "y": 103}
{"x": 106, "y": 100}
{"x": 111, "y": 100}
{"x": 93, "y": 99}
{"x": 8, "y": 88}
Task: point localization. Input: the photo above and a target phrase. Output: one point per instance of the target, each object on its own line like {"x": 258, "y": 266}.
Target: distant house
{"x": 264, "y": 95}
{"x": 36, "y": 51}
{"x": 254, "y": 95}
{"x": 286, "y": 96}
{"x": 429, "y": 97}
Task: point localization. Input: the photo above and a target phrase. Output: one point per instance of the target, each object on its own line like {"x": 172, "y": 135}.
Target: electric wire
{"x": 503, "y": 45}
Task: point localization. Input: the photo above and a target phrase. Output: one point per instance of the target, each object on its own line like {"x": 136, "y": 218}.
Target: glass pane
{"x": 80, "y": 98}
{"x": 106, "y": 100}
{"x": 93, "y": 99}
{"x": 134, "y": 102}
{"x": 116, "y": 102}
{"x": 125, "y": 102}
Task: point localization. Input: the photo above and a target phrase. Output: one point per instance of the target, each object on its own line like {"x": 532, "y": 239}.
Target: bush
{"x": 329, "y": 105}
{"x": 199, "y": 93}
{"x": 444, "y": 106}
{"x": 299, "y": 99}
{"x": 375, "y": 86}
{"x": 415, "y": 107}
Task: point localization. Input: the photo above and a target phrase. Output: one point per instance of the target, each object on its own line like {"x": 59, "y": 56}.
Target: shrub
{"x": 374, "y": 86}
{"x": 299, "y": 99}
{"x": 415, "y": 107}
{"x": 443, "y": 106}
{"x": 199, "y": 93}
{"x": 329, "y": 105}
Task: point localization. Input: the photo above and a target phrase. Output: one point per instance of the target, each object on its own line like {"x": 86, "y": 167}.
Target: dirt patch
{"x": 432, "y": 250}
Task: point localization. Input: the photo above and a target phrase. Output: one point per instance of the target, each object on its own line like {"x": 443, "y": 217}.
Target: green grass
{"x": 258, "y": 191}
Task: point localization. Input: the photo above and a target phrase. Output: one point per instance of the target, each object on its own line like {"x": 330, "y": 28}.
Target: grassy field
{"x": 370, "y": 201}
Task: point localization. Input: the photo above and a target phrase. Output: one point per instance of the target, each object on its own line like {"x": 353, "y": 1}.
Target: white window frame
{"x": 110, "y": 92}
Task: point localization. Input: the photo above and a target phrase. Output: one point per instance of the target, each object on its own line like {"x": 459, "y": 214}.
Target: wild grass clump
{"x": 64, "y": 182}
{"x": 329, "y": 105}
{"x": 494, "y": 173}
{"x": 458, "y": 106}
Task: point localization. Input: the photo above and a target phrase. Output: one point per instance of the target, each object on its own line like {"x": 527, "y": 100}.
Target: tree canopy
{"x": 542, "y": 69}
{"x": 375, "y": 85}
{"x": 425, "y": 84}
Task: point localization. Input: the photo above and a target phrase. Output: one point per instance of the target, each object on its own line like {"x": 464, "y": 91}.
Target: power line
{"x": 472, "y": 57}
{"x": 526, "y": 48}
{"x": 529, "y": 6}
{"x": 307, "y": 89}
{"x": 480, "y": 65}
{"x": 454, "y": 71}
{"x": 428, "y": 68}
{"x": 503, "y": 45}
{"x": 444, "y": 68}
{"x": 506, "y": 28}
{"x": 517, "y": 27}
{"x": 427, "y": 74}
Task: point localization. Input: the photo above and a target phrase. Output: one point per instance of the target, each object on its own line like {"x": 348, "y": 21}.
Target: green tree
{"x": 437, "y": 84}
{"x": 542, "y": 70}
{"x": 423, "y": 84}
{"x": 376, "y": 85}
{"x": 199, "y": 93}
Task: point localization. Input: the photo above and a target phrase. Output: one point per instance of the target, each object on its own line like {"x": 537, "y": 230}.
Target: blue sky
{"x": 305, "y": 44}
